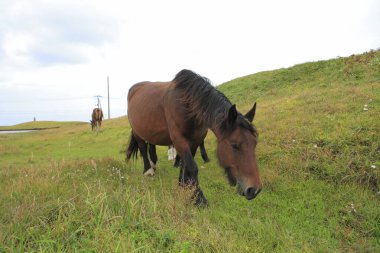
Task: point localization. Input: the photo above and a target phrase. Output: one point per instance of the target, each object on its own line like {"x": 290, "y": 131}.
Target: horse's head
{"x": 236, "y": 152}
{"x": 92, "y": 124}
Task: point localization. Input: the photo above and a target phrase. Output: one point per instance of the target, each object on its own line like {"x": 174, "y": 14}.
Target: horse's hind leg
{"x": 143, "y": 146}
{"x": 177, "y": 161}
{"x": 203, "y": 152}
{"x": 153, "y": 156}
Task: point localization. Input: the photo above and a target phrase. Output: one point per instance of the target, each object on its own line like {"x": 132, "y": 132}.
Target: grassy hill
{"x": 68, "y": 189}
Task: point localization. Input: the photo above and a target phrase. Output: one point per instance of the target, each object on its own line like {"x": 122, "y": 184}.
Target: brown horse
{"x": 179, "y": 113}
{"x": 96, "y": 119}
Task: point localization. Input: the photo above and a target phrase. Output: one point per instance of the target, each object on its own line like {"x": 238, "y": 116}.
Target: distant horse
{"x": 96, "y": 119}
{"x": 179, "y": 113}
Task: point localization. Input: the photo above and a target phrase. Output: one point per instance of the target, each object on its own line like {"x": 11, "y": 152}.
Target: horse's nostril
{"x": 251, "y": 192}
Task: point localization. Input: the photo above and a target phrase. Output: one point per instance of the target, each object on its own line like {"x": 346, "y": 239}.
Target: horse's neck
{"x": 216, "y": 124}
{"x": 217, "y": 131}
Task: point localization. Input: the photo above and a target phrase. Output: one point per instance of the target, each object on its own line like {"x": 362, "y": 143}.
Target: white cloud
{"x": 45, "y": 33}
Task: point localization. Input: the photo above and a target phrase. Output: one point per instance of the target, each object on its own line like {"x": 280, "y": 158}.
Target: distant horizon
{"x": 58, "y": 121}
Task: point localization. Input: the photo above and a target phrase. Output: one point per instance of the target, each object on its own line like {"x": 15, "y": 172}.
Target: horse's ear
{"x": 251, "y": 114}
{"x": 232, "y": 114}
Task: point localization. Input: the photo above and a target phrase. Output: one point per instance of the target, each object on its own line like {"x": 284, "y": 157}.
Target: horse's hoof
{"x": 201, "y": 202}
{"x": 149, "y": 172}
{"x": 199, "y": 199}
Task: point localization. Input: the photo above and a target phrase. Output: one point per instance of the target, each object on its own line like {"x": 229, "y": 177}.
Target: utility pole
{"x": 98, "y": 101}
{"x": 108, "y": 91}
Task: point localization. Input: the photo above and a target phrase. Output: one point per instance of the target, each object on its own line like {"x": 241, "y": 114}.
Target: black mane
{"x": 204, "y": 103}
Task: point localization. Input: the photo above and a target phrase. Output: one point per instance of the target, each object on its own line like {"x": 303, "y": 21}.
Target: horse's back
{"x": 97, "y": 114}
{"x": 146, "y": 112}
{"x": 148, "y": 89}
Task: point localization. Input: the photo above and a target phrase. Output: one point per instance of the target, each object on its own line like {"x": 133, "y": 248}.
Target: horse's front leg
{"x": 189, "y": 176}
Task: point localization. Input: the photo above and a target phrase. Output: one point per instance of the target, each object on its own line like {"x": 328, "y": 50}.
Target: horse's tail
{"x": 132, "y": 148}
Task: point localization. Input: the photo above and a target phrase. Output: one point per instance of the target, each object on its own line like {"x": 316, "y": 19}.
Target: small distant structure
{"x": 98, "y": 104}
{"x": 34, "y": 119}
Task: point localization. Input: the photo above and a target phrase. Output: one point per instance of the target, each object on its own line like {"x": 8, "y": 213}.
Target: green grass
{"x": 69, "y": 190}
{"x": 69, "y": 142}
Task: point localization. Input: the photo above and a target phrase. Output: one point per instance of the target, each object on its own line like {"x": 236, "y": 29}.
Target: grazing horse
{"x": 179, "y": 113}
{"x": 96, "y": 119}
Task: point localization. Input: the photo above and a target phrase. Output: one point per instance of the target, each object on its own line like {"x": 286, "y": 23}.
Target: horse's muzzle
{"x": 251, "y": 192}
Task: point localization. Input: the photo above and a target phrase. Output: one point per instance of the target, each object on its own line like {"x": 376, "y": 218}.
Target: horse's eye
{"x": 235, "y": 147}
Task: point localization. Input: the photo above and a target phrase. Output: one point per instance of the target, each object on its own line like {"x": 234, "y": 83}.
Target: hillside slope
{"x": 69, "y": 189}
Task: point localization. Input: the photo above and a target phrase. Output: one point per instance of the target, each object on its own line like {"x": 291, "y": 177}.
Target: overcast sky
{"x": 55, "y": 55}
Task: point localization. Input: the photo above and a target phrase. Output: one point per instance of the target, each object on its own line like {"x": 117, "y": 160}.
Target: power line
{"x": 99, "y": 105}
